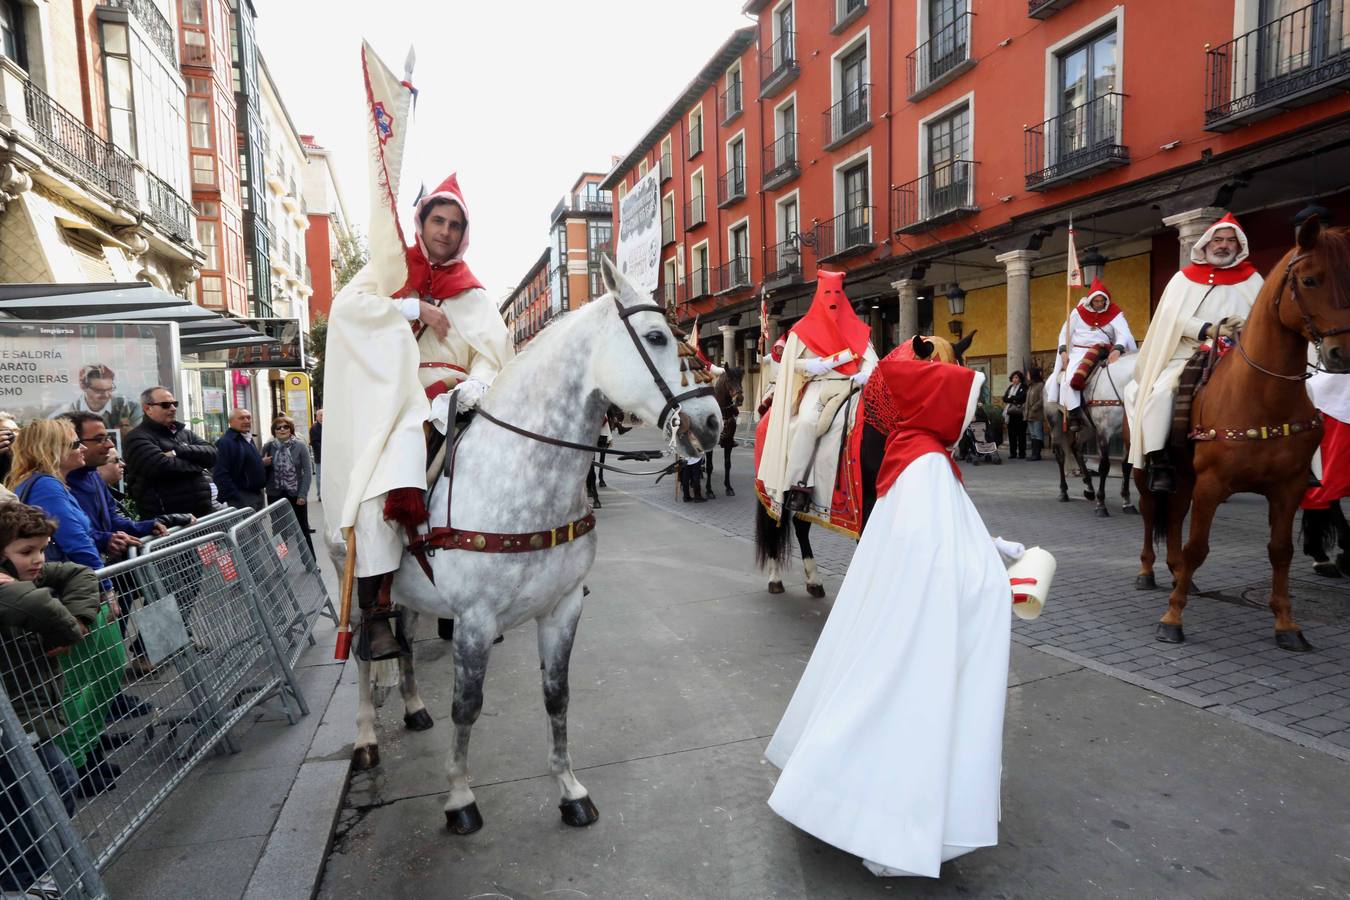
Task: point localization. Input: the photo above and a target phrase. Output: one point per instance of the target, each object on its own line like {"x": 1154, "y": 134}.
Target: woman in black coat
{"x": 1014, "y": 410}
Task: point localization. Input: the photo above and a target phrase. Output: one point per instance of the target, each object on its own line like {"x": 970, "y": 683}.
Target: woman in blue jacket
{"x": 45, "y": 452}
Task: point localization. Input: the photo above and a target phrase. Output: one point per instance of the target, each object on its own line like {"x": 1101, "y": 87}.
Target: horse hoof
{"x": 1102, "y": 512}
{"x": 709, "y": 494}
{"x": 1170, "y": 634}
{"x": 1130, "y": 509}
{"x": 1089, "y": 495}
{"x": 464, "y": 821}
{"x": 1063, "y": 498}
{"x": 729, "y": 492}
{"x": 1327, "y": 569}
{"x": 365, "y": 757}
{"x": 775, "y": 587}
{"x": 579, "y": 813}
{"x": 816, "y": 590}
{"x": 1293, "y": 641}
{"x": 1145, "y": 582}
{"x": 418, "y": 721}
{"x": 445, "y": 629}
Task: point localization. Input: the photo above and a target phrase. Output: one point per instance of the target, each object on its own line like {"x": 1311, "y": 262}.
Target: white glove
{"x": 1011, "y": 551}
{"x": 469, "y": 392}
{"x": 817, "y": 366}
{"x": 861, "y": 377}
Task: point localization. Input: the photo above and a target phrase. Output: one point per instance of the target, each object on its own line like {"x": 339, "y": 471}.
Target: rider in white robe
{"x": 891, "y": 748}
{"x": 1095, "y": 320}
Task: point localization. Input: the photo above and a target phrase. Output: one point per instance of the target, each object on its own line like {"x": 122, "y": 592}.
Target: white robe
{"x": 1080, "y": 338}
{"x": 892, "y": 745}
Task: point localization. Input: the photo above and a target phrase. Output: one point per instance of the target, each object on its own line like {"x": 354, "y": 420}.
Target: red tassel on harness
{"x": 406, "y": 506}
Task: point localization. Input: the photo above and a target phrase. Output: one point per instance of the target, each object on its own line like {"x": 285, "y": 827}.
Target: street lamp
{"x": 1094, "y": 264}
{"x": 956, "y": 300}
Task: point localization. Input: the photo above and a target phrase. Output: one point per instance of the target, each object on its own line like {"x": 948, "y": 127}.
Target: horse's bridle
{"x": 1309, "y": 326}
{"x": 672, "y": 399}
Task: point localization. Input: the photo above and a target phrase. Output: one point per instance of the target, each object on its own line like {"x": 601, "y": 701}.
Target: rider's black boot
{"x": 1076, "y": 420}
{"x": 1161, "y": 477}
{"x": 377, "y": 634}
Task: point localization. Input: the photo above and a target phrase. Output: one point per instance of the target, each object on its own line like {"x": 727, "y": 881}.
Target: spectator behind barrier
{"x": 239, "y": 472}
{"x": 288, "y": 472}
{"x": 167, "y": 464}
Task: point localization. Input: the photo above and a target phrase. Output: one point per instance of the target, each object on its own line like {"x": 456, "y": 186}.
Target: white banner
{"x": 638, "y": 250}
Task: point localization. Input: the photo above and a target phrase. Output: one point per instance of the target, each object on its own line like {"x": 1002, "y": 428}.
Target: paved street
{"x": 1131, "y": 769}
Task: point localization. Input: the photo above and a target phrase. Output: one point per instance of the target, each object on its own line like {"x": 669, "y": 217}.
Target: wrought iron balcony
{"x": 848, "y": 118}
{"x": 783, "y": 263}
{"x": 729, "y": 102}
{"x": 667, "y": 230}
{"x": 943, "y": 57}
{"x": 696, "y": 140}
{"x": 81, "y": 152}
{"x": 666, "y": 168}
{"x": 733, "y": 275}
{"x": 731, "y": 187}
{"x": 600, "y": 204}
{"x": 943, "y": 195}
{"x": 170, "y": 212}
{"x": 154, "y": 23}
{"x": 778, "y": 65}
{"x": 1297, "y": 59}
{"x": 694, "y": 213}
{"x": 1044, "y": 9}
{"x": 780, "y": 161}
{"x": 698, "y": 285}
{"x": 845, "y": 13}
{"x": 847, "y": 234}
{"x": 1076, "y": 144}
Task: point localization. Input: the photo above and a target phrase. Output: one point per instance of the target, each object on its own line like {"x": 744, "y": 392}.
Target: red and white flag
{"x": 763, "y": 322}
{"x": 1075, "y": 273}
{"x": 389, "y": 105}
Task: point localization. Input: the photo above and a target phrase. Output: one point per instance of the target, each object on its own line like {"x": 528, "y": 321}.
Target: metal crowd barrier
{"x": 94, "y": 738}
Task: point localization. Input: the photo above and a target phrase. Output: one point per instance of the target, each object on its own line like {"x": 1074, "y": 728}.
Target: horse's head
{"x": 1317, "y": 278}
{"x": 637, "y": 366}
{"x": 728, "y": 386}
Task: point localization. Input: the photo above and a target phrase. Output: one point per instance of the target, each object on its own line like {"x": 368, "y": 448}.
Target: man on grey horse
{"x": 1094, "y": 323}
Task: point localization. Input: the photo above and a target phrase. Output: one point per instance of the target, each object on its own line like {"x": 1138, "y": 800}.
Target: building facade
{"x": 93, "y": 158}
{"x": 328, "y": 224}
{"x": 284, "y": 168}
{"x": 936, "y": 152}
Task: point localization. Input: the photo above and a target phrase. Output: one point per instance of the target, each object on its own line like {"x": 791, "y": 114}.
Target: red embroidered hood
{"x": 1092, "y": 317}
{"x": 831, "y": 325}
{"x": 932, "y": 402}
{"x": 1236, "y": 272}
{"x": 439, "y": 281}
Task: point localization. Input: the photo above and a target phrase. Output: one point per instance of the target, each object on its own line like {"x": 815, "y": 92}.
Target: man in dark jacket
{"x": 167, "y": 463}
{"x": 239, "y": 473}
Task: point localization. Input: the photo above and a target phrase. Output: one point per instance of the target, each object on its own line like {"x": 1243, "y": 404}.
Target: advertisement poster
{"x": 297, "y": 399}
{"x": 47, "y": 368}
{"x": 638, "y": 253}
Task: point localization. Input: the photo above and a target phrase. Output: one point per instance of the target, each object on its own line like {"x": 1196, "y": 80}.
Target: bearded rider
{"x": 1206, "y": 301}
{"x": 827, "y": 355}
{"x": 1094, "y": 322}
{"x": 378, "y": 398}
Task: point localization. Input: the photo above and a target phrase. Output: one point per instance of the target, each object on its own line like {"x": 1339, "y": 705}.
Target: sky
{"x": 517, "y": 97}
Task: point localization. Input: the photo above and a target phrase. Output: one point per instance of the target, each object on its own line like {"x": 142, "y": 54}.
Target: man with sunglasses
{"x": 113, "y": 532}
{"x": 167, "y": 464}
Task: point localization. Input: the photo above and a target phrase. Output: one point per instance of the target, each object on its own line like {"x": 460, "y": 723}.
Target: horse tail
{"x": 773, "y": 539}
{"x": 1162, "y": 506}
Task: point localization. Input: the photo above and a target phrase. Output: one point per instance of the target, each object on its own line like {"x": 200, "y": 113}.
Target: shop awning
{"x": 199, "y": 329}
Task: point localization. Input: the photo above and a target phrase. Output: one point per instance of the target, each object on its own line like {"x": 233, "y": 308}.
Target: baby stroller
{"x": 976, "y": 446}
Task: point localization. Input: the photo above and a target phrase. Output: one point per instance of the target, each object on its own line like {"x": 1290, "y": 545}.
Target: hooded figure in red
{"x": 450, "y": 276}
{"x": 1096, "y": 332}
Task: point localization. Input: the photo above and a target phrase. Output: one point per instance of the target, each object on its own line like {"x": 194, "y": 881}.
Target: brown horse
{"x": 1252, "y": 423}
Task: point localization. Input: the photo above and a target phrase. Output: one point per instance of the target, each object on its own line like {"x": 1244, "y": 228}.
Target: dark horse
{"x": 727, "y": 390}
{"x": 772, "y": 541}
{"x": 1255, "y": 424}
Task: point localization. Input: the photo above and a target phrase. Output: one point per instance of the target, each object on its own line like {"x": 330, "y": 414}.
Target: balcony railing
{"x": 694, "y": 213}
{"x": 849, "y": 117}
{"x": 75, "y": 148}
{"x": 1076, "y": 143}
{"x": 780, "y": 161}
{"x": 778, "y": 65}
{"x": 847, "y": 234}
{"x": 168, "y": 210}
{"x": 944, "y": 194}
{"x": 845, "y": 13}
{"x": 783, "y": 263}
{"x": 729, "y": 103}
{"x": 602, "y": 203}
{"x": 733, "y": 275}
{"x": 696, "y": 140}
{"x": 1044, "y": 9}
{"x": 666, "y": 168}
{"x": 1291, "y": 61}
{"x": 731, "y": 187}
{"x": 699, "y": 284}
{"x": 152, "y": 20}
{"x": 944, "y": 56}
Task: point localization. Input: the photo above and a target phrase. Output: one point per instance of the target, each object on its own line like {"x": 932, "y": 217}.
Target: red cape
{"x": 831, "y": 325}
{"x": 1096, "y": 319}
{"x": 930, "y": 402}
{"x": 1204, "y": 273}
{"x": 1335, "y": 465}
{"x": 439, "y": 282}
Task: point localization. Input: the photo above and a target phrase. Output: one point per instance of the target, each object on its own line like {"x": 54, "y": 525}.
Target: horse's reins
{"x": 1291, "y": 284}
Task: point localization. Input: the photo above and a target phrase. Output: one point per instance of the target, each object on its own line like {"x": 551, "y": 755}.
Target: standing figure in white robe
{"x": 1208, "y": 300}
{"x": 1094, "y": 321}
{"x": 892, "y": 745}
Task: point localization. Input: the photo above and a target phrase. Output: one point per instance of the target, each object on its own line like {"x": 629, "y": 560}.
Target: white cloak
{"x": 892, "y": 745}
{"x": 1080, "y": 338}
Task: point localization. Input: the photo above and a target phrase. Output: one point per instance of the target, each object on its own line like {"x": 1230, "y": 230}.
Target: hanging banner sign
{"x": 289, "y": 353}
{"x": 638, "y": 253}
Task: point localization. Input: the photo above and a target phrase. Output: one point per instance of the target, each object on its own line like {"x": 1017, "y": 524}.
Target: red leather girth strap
{"x": 501, "y": 542}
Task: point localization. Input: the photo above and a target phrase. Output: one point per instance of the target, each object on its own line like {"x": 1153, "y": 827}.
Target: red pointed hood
{"x": 441, "y": 281}
{"x": 932, "y": 403}
{"x": 1091, "y": 316}
{"x": 1236, "y": 272}
{"x": 831, "y": 325}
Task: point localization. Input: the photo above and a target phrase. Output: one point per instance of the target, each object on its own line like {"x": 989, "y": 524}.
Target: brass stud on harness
{"x": 479, "y": 542}
{"x": 536, "y": 542}
{"x": 1253, "y": 433}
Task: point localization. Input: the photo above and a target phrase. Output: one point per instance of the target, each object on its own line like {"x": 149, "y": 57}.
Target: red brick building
{"x": 937, "y": 150}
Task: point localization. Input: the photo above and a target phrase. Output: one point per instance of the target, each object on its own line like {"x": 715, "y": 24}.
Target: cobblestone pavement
{"x": 1096, "y": 618}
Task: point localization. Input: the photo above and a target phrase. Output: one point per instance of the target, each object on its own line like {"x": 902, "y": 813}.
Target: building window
{"x": 855, "y": 229}
{"x": 1295, "y": 35}
{"x": 789, "y": 221}
{"x": 600, "y": 239}
{"x": 696, "y": 132}
{"x": 193, "y": 12}
{"x": 1088, "y": 103}
{"x": 948, "y": 184}
{"x": 117, "y": 75}
{"x": 785, "y": 28}
{"x": 12, "y": 41}
{"x": 736, "y": 167}
{"x": 643, "y": 169}
{"x": 738, "y": 251}
{"x": 203, "y": 169}
{"x": 208, "y": 235}
{"x": 199, "y": 122}
{"x": 949, "y": 139}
